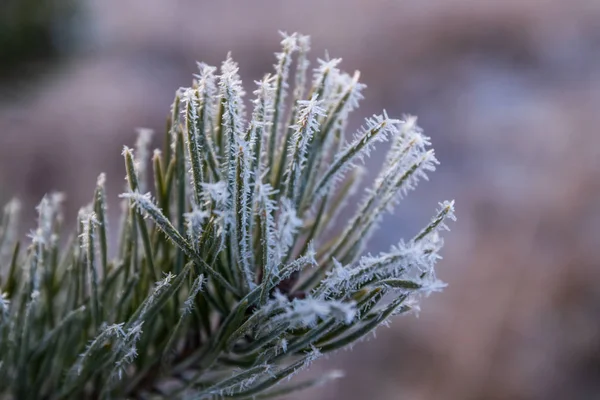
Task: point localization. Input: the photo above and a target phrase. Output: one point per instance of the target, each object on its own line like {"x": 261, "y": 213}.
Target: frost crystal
{"x": 231, "y": 273}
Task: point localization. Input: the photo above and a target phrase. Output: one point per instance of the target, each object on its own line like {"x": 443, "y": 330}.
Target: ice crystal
{"x": 229, "y": 275}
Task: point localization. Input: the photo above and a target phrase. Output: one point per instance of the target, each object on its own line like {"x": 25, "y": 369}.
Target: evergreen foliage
{"x": 231, "y": 277}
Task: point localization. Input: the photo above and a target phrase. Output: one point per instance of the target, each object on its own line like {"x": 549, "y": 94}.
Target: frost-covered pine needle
{"x": 229, "y": 275}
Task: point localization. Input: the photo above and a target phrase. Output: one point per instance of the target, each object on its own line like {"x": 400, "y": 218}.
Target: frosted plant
{"x": 231, "y": 276}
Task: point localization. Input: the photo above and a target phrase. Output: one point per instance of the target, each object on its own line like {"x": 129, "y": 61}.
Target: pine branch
{"x": 226, "y": 284}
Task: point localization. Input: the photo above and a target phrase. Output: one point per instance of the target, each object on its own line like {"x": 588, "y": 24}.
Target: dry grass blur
{"x": 509, "y": 91}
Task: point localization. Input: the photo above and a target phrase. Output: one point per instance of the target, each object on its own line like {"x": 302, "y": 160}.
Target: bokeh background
{"x": 509, "y": 91}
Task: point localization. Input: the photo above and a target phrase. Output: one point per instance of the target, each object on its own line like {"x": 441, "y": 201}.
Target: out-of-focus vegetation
{"x": 33, "y": 31}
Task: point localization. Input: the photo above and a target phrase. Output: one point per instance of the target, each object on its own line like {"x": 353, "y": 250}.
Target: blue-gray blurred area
{"x": 509, "y": 91}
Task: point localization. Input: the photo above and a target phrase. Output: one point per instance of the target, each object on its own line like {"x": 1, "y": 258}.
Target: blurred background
{"x": 509, "y": 91}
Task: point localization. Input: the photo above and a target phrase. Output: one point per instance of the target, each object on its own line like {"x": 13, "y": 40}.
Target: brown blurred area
{"x": 508, "y": 90}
